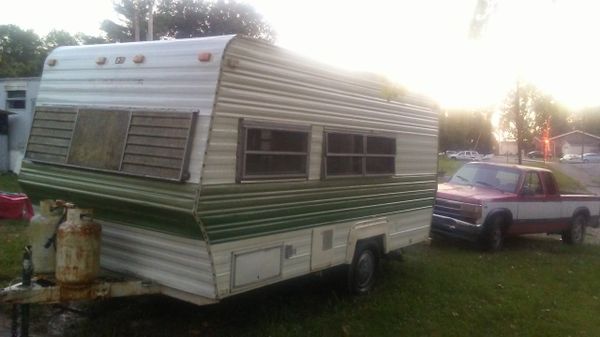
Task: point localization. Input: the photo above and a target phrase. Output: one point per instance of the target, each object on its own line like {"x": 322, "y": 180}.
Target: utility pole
{"x": 150, "y": 33}
{"x": 518, "y": 123}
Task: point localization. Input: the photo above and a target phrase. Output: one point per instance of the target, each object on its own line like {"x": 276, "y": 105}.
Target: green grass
{"x": 535, "y": 287}
{"x": 447, "y": 167}
{"x": 12, "y": 239}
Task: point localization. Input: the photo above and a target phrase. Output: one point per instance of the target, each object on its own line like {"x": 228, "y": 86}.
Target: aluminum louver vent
{"x": 143, "y": 143}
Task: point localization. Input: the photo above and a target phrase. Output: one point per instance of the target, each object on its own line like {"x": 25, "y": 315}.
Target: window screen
{"x": 144, "y": 143}
{"x": 358, "y": 155}
{"x": 273, "y": 152}
{"x": 15, "y": 99}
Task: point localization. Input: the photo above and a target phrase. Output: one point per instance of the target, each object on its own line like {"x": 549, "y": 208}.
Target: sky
{"x": 422, "y": 44}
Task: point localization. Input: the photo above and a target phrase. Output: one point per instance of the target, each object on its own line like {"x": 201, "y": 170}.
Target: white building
{"x": 17, "y": 95}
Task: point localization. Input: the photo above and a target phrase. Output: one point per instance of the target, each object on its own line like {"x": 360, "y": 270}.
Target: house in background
{"x": 17, "y": 96}
{"x": 574, "y": 142}
{"x": 507, "y": 147}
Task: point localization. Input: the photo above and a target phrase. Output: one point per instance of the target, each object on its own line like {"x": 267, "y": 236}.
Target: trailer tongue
{"x": 77, "y": 274}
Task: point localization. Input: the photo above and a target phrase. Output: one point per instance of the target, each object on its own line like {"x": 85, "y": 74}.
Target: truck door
{"x": 535, "y": 210}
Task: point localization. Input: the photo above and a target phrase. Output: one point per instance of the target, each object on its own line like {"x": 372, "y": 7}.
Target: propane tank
{"x": 41, "y": 233}
{"x": 78, "y": 249}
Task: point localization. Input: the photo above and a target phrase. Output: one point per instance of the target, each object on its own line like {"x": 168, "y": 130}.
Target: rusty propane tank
{"x": 78, "y": 249}
{"x": 42, "y": 228}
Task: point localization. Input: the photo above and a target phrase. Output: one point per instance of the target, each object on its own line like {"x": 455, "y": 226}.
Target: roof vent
{"x": 51, "y": 62}
{"x": 101, "y": 60}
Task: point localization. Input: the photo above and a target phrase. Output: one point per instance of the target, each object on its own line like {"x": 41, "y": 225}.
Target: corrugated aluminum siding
{"x": 263, "y": 82}
{"x": 260, "y": 82}
{"x": 175, "y": 262}
{"x": 170, "y": 78}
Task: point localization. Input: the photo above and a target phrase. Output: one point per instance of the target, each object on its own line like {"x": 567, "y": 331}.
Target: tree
{"x": 21, "y": 52}
{"x": 133, "y": 14}
{"x": 186, "y": 18}
{"x": 528, "y": 112}
{"x": 57, "y": 38}
{"x": 466, "y": 129}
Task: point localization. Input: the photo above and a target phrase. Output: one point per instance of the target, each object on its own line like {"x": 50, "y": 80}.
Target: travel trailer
{"x": 223, "y": 164}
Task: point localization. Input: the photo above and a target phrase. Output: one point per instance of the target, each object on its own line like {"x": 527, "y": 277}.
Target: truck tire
{"x": 575, "y": 234}
{"x": 362, "y": 271}
{"x": 492, "y": 237}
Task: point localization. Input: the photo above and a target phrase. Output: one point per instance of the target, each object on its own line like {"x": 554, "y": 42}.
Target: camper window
{"x": 15, "y": 99}
{"x": 359, "y": 155}
{"x": 273, "y": 152}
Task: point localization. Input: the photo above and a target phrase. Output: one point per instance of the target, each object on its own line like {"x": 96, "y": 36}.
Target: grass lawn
{"x": 535, "y": 287}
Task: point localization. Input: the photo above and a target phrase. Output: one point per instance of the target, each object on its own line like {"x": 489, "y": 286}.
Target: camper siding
{"x": 171, "y": 78}
{"x": 179, "y": 263}
{"x": 263, "y": 83}
{"x": 405, "y": 228}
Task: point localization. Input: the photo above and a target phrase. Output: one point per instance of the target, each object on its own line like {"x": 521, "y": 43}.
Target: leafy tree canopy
{"x": 20, "y": 52}
{"x": 466, "y": 130}
{"x": 186, "y": 18}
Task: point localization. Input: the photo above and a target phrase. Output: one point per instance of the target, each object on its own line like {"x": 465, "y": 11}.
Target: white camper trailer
{"x": 219, "y": 165}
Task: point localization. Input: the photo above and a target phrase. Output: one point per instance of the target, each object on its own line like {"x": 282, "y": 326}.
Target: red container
{"x": 15, "y": 206}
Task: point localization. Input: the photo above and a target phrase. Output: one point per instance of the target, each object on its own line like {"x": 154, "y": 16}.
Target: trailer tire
{"x": 362, "y": 271}
{"x": 575, "y": 234}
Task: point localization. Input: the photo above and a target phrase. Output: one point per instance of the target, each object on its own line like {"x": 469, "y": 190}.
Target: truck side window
{"x": 549, "y": 183}
{"x": 533, "y": 185}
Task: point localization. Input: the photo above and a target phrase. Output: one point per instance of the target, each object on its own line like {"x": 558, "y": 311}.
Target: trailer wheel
{"x": 493, "y": 235}
{"x": 575, "y": 234}
{"x": 362, "y": 272}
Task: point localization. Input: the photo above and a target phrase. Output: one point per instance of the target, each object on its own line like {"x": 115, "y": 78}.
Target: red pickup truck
{"x": 486, "y": 202}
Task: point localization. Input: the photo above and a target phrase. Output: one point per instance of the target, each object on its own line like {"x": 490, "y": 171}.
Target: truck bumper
{"x": 453, "y": 228}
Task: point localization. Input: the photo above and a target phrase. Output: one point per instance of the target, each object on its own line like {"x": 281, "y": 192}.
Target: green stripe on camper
{"x": 161, "y": 206}
{"x": 232, "y": 212}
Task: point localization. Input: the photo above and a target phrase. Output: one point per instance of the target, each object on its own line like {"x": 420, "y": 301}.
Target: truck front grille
{"x": 447, "y": 207}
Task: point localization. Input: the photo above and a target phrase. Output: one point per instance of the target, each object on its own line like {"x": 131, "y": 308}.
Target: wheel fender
{"x": 581, "y": 210}
{"x": 504, "y": 212}
{"x": 366, "y": 229}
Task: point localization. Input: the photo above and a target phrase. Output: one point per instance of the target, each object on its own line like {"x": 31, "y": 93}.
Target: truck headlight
{"x": 471, "y": 213}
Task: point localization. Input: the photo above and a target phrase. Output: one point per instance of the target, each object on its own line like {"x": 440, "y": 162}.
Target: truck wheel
{"x": 361, "y": 275}
{"x": 575, "y": 234}
{"x": 493, "y": 236}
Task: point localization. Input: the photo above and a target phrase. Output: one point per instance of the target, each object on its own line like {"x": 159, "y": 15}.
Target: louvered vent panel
{"x": 156, "y": 144}
{"x": 51, "y": 134}
{"x": 153, "y": 144}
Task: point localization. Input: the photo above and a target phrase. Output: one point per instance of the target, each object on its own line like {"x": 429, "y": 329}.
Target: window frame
{"x": 10, "y": 100}
{"x": 243, "y": 151}
{"x": 364, "y": 155}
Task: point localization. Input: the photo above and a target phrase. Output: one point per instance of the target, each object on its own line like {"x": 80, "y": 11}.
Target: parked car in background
{"x": 591, "y": 157}
{"x": 466, "y": 155}
{"x": 571, "y": 158}
{"x": 535, "y": 154}
{"x": 486, "y": 202}
{"x": 450, "y": 153}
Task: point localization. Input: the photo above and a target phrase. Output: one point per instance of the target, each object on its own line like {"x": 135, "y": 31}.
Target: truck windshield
{"x": 499, "y": 178}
